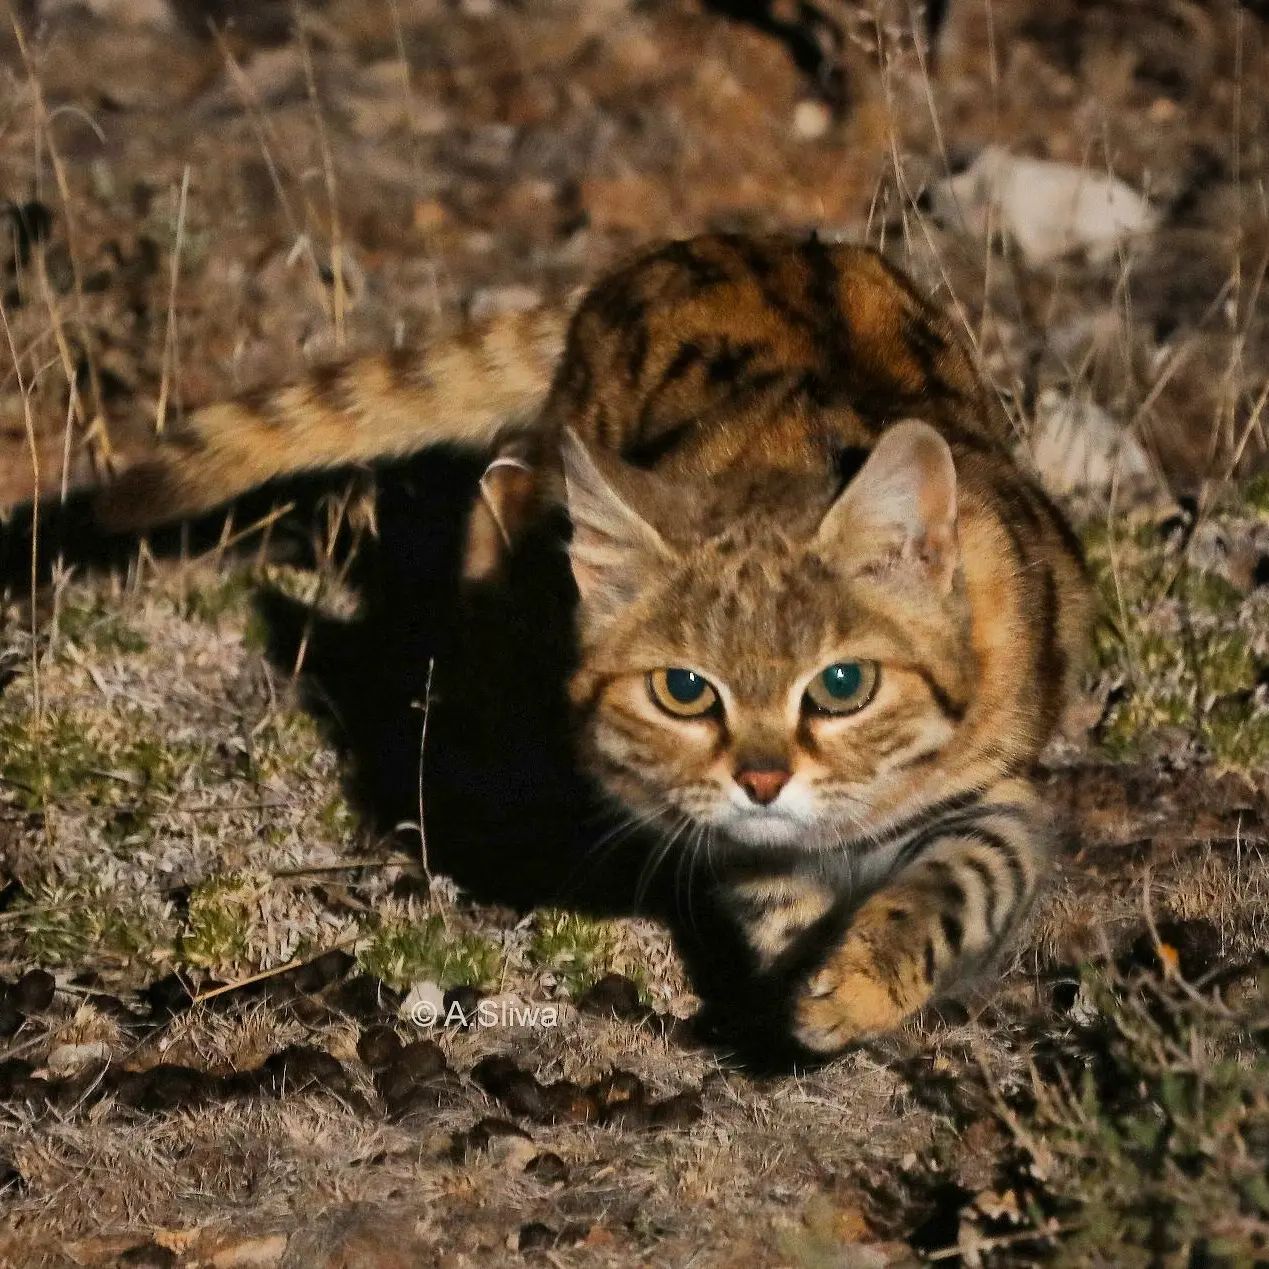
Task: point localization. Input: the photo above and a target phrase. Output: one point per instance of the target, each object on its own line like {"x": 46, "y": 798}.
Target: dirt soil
{"x": 221, "y": 944}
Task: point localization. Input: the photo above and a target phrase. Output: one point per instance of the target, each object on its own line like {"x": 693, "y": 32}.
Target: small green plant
{"x": 54, "y": 758}
{"x": 578, "y": 951}
{"x": 221, "y": 918}
{"x": 212, "y": 600}
{"x": 1159, "y": 1147}
{"x": 62, "y": 920}
{"x": 97, "y": 625}
{"x": 1179, "y": 641}
{"x": 403, "y": 951}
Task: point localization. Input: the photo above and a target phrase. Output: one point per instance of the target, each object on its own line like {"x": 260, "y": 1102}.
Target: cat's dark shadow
{"x": 506, "y": 812}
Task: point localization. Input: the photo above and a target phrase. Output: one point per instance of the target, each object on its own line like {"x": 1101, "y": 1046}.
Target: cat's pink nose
{"x": 763, "y": 787}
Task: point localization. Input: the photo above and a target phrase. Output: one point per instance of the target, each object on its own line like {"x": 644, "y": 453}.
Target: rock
{"x": 617, "y": 1089}
{"x": 378, "y": 1046}
{"x": 323, "y": 972}
{"x": 505, "y": 1143}
{"x": 517, "y": 1090}
{"x": 13, "y": 1072}
{"x": 570, "y": 1103}
{"x": 1048, "y": 209}
{"x": 148, "y": 1256}
{"x": 536, "y": 1235}
{"x": 10, "y": 1018}
{"x": 614, "y": 994}
{"x": 167, "y": 1087}
{"x": 424, "y": 1004}
{"x": 422, "y": 1060}
{"x": 249, "y": 1253}
{"x": 33, "y": 992}
{"x": 1079, "y": 450}
{"x": 411, "y": 1081}
{"x": 301, "y": 1069}
{"x": 548, "y": 1168}
{"x": 462, "y": 1002}
{"x": 680, "y": 1111}
{"x": 66, "y": 1059}
{"x": 168, "y": 996}
{"x": 364, "y": 998}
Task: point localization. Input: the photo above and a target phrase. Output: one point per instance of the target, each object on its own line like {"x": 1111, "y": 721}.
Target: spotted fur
{"x": 775, "y": 455}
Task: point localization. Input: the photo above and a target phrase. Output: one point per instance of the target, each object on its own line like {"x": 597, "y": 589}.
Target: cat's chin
{"x": 766, "y": 830}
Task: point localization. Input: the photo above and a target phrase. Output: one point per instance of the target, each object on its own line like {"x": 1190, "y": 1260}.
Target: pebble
{"x": 33, "y": 992}
{"x": 299, "y": 1068}
{"x": 548, "y": 1168}
{"x": 147, "y": 1256}
{"x": 324, "y": 971}
{"x": 614, "y": 994}
{"x": 378, "y": 1046}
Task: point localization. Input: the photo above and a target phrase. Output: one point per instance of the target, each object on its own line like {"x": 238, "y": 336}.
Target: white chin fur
{"x": 764, "y": 830}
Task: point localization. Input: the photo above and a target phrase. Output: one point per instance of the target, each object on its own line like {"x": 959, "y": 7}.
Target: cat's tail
{"x": 465, "y": 390}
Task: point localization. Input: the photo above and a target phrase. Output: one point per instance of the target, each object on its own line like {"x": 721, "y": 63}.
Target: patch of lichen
{"x": 1180, "y": 643}
{"x": 63, "y": 920}
{"x": 95, "y": 624}
{"x": 58, "y": 758}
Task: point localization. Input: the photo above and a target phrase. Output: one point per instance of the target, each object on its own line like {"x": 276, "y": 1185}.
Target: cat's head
{"x": 781, "y": 662}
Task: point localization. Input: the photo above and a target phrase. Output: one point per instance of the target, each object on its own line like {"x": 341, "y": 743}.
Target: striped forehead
{"x": 759, "y": 616}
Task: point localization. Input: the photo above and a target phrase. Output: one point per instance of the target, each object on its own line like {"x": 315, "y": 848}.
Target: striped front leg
{"x": 958, "y": 889}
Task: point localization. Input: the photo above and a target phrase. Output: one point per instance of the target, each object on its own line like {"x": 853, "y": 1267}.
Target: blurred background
{"x": 206, "y": 196}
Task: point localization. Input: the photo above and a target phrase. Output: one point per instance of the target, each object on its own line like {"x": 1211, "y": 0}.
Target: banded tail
{"x": 466, "y": 391}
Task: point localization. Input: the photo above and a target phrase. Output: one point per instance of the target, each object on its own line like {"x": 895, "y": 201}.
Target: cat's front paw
{"x": 872, "y": 980}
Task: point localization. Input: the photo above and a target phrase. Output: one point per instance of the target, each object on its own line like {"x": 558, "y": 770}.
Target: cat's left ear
{"x": 614, "y": 549}
{"x": 901, "y": 505}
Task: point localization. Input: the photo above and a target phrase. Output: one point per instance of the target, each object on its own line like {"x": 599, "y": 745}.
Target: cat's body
{"x": 825, "y": 623}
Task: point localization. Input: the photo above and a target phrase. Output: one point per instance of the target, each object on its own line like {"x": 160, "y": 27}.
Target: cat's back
{"x": 725, "y": 345}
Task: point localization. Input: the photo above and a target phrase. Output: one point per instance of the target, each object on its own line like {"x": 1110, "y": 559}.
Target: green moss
{"x": 211, "y": 601}
{"x": 288, "y": 743}
{"x": 336, "y": 818}
{"x": 1256, "y": 494}
{"x": 578, "y": 951}
{"x": 63, "y": 921}
{"x": 1208, "y": 591}
{"x": 98, "y": 626}
{"x": 403, "y": 952}
{"x": 220, "y": 919}
{"x": 1225, "y": 663}
{"x": 1237, "y": 738}
{"x": 54, "y": 759}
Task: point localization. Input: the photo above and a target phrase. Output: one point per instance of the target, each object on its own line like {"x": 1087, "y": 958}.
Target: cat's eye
{"x": 683, "y": 693}
{"x": 843, "y": 688}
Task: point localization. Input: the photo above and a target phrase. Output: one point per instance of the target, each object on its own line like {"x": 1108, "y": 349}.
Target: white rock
{"x": 66, "y": 1059}
{"x": 1048, "y": 208}
{"x": 424, "y": 1004}
{"x": 1079, "y": 450}
{"x": 493, "y": 301}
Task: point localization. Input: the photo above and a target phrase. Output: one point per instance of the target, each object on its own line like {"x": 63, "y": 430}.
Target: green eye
{"x": 846, "y": 686}
{"x": 683, "y": 693}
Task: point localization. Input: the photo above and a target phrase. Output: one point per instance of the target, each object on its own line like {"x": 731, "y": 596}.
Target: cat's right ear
{"x": 613, "y": 547}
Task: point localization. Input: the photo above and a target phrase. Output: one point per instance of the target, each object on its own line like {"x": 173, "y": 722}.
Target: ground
{"x": 207, "y": 196}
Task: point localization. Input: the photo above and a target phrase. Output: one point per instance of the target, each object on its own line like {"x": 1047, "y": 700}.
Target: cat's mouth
{"x": 761, "y": 826}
